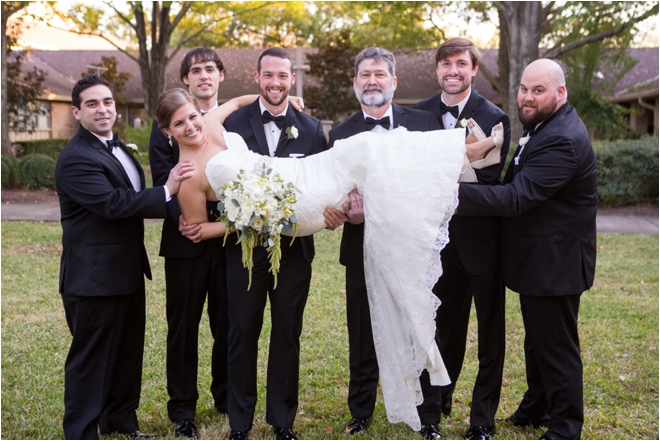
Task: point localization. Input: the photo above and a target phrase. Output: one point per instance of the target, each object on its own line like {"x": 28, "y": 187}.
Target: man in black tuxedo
{"x": 103, "y": 203}
{"x": 471, "y": 259}
{"x": 548, "y": 203}
{"x": 270, "y": 127}
{"x": 374, "y": 83}
{"x": 191, "y": 269}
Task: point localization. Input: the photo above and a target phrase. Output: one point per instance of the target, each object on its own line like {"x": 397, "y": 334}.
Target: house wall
{"x": 63, "y": 124}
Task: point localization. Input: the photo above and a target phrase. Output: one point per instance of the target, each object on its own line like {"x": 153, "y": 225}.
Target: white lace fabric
{"x": 409, "y": 183}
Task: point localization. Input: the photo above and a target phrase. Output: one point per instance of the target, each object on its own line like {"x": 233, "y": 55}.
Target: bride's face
{"x": 187, "y": 125}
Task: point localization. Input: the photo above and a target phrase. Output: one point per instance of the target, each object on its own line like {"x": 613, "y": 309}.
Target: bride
{"x": 409, "y": 184}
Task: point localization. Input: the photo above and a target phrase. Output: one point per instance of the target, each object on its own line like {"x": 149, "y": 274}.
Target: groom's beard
{"x": 374, "y": 99}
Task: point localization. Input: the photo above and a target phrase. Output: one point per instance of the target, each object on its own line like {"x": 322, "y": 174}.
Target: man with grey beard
{"x": 374, "y": 84}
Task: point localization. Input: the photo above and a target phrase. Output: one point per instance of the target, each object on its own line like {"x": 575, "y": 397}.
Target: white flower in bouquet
{"x": 259, "y": 208}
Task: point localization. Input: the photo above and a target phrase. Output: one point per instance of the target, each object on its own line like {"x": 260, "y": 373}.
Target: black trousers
{"x": 246, "y": 312}
{"x": 363, "y": 383}
{"x": 103, "y": 370}
{"x": 188, "y": 281}
{"x": 554, "y": 394}
{"x": 455, "y": 289}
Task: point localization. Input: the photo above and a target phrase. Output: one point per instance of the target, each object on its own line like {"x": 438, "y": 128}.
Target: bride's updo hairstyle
{"x": 169, "y": 102}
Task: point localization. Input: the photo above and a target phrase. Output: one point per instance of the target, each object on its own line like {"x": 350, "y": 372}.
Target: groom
{"x": 270, "y": 127}
{"x": 471, "y": 259}
{"x": 374, "y": 84}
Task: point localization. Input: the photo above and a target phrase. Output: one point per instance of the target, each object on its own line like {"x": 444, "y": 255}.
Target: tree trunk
{"x": 6, "y": 143}
{"x": 521, "y": 26}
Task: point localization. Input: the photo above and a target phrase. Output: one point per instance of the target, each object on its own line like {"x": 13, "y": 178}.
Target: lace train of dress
{"x": 409, "y": 184}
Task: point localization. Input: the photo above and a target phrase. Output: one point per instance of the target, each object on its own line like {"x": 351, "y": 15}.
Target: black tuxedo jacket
{"x": 477, "y": 239}
{"x": 311, "y": 139}
{"x": 102, "y": 220}
{"x": 351, "y": 252}
{"x": 162, "y": 158}
{"x": 548, "y": 201}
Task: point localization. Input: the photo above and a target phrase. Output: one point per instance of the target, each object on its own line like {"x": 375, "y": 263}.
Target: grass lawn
{"x": 618, "y": 327}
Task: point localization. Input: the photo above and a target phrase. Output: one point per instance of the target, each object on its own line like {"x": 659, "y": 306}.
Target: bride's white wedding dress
{"x": 409, "y": 184}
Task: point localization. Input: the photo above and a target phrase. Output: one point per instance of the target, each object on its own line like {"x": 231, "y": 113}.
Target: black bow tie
{"x": 383, "y": 122}
{"x": 451, "y": 109}
{"x": 112, "y": 143}
{"x": 279, "y": 121}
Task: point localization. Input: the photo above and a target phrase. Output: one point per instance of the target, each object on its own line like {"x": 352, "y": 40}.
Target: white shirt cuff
{"x": 168, "y": 197}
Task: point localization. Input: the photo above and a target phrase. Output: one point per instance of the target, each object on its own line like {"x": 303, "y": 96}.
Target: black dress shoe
{"x": 139, "y": 435}
{"x": 546, "y": 436}
{"x": 237, "y": 434}
{"x": 186, "y": 429}
{"x": 480, "y": 432}
{"x": 284, "y": 433}
{"x": 522, "y": 422}
{"x": 357, "y": 426}
{"x": 430, "y": 431}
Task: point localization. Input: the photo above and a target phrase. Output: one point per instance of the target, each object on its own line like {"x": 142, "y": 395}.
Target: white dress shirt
{"x": 448, "y": 119}
{"x": 273, "y": 133}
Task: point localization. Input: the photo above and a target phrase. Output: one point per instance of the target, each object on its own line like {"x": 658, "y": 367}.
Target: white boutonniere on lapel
{"x": 133, "y": 148}
{"x": 463, "y": 123}
{"x": 291, "y": 132}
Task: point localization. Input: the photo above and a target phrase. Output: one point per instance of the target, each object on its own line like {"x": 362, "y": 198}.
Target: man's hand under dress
{"x": 334, "y": 218}
{"x": 354, "y": 207}
{"x": 192, "y": 232}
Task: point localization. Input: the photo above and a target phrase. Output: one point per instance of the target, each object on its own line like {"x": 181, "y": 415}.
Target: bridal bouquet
{"x": 259, "y": 208}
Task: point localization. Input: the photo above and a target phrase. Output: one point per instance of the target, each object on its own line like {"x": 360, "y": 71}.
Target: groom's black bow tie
{"x": 279, "y": 121}
{"x": 112, "y": 143}
{"x": 451, "y": 109}
{"x": 383, "y": 122}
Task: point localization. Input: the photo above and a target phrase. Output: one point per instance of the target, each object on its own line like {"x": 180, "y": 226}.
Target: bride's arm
{"x": 192, "y": 201}
{"x": 223, "y": 111}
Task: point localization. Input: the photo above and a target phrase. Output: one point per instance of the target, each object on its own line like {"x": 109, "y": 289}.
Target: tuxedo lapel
{"x": 469, "y": 111}
{"x": 400, "y": 119}
{"x": 103, "y": 150}
{"x": 284, "y": 137}
{"x": 258, "y": 129}
{"x": 359, "y": 124}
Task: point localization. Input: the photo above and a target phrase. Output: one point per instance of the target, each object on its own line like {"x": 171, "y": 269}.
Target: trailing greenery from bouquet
{"x": 259, "y": 208}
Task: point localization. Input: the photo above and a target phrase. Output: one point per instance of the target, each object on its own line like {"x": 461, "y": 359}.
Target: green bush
{"x": 10, "y": 173}
{"x": 627, "y": 171}
{"x": 48, "y": 147}
{"x": 37, "y": 171}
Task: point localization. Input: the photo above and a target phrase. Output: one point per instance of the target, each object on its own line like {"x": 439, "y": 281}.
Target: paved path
{"x": 604, "y": 223}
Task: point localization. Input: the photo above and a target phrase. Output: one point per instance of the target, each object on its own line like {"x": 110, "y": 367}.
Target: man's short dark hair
{"x": 199, "y": 55}
{"x": 86, "y": 82}
{"x": 457, "y": 45}
{"x": 274, "y": 52}
{"x": 379, "y": 55}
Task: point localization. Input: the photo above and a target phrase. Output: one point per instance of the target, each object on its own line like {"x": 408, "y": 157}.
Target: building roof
{"x": 415, "y": 71}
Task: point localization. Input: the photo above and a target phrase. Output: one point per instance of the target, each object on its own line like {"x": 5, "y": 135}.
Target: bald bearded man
{"x": 548, "y": 204}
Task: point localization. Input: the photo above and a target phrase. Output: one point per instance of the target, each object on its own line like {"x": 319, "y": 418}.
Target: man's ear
{"x": 561, "y": 95}
{"x": 76, "y": 112}
{"x": 185, "y": 80}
